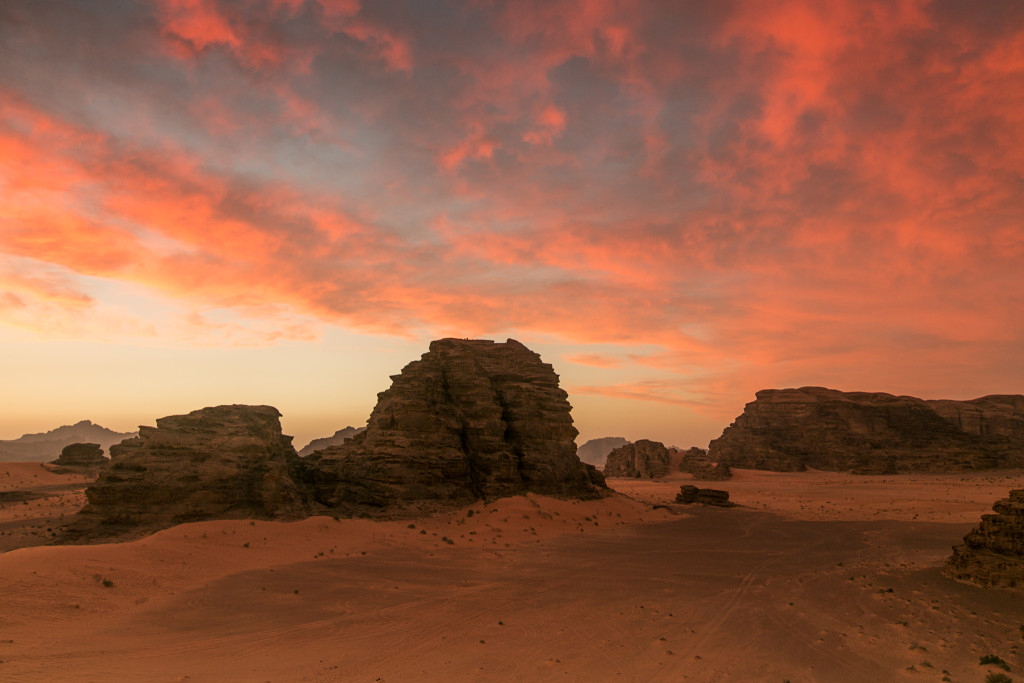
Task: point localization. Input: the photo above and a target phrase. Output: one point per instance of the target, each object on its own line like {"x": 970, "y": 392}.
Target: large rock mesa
{"x": 225, "y": 462}
{"x": 872, "y": 433}
{"x": 643, "y": 459}
{"x": 470, "y": 420}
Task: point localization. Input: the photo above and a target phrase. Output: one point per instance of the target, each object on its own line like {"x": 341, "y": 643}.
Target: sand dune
{"x": 817, "y": 587}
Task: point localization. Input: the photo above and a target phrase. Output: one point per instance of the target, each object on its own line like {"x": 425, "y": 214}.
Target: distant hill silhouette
{"x": 595, "y": 451}
{"x": 337, "y": 439}
{"x": 48, "y": 445}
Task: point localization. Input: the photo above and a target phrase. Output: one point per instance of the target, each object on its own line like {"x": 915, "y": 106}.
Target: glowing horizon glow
{"x": 283, "y": 201}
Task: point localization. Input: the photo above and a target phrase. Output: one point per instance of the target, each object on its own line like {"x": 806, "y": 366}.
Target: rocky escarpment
{"x": 993, "y": 553}
{"x": 47, "y": 445}
{"x": 226, "y": 462}
{"x": 81, "y": 455}
{"x": 643, "y": 459}
{"x": 792, "y": 429}
{"x": 595, "y": 452}
{"x": 470, "y": 420}
{"x": 339, "y": 437}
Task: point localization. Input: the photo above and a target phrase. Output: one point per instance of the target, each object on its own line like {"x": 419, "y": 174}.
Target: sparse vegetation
{"x": 998, "y": 678}
{"x": 994, "y": 660}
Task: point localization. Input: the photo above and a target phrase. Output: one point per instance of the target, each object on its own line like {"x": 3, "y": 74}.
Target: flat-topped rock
{"x": 642, "y": 459}
{"x": 992, "y": 554}
{"x": 226, "y": 462}
{"x": 470, "y": 420}
{"x": 691, "y": 494}
{"x": 872, "y": 433}
{"x": 81, "y": 455}
{"x": 595, "y": 452}
{"x": 698, "y": 463}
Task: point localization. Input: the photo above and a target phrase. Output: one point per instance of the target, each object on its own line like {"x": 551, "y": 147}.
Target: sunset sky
{"x": 675, "y": 203}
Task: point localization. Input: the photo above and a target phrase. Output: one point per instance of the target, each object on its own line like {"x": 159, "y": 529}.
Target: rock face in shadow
{"x": 227, "y": 462}
{"x": 872, "y": 433}
{"x": 697, "y": 462}
{"x": 470, "y": 420}
{"x": 993, "y": 553}
{"x": 595, "y": 452}
{"x": 339, "y": 437}
{"x": 643, "y": 459}
{"x": 81, "y": 455}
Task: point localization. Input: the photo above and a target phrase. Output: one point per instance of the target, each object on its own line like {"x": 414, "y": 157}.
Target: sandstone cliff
{"x": 643, "y": 459}
{"x": 595, "y": 452}
{"x": 697, "y": 462}
{"x": 993, "y": 553}
{"x": 470, "y": 420}
{"x": 792, "y": 429}
{"x": 226, "y": 462}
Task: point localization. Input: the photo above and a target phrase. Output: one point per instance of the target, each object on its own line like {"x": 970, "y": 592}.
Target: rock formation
{"x": 470, "y": 420}
{"x": 644, "y": 459}
{"x": 339, "y": 437}
{"x": 993, "y": 553}
{"x": 47, "y": 445}
{"x": 691, "y": 494}
{"x": 595, "y": 452}
{"x": 226, "y": 462}
{"x": 792, "y": 429}
{"x": 81, "y": 455}
{"x": 697, "y": 462}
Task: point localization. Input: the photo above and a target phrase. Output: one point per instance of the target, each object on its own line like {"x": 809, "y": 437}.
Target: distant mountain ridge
{"x": 595, "y": 451}
{"x": 45, "y": 446}
{"x": 338, "y": 438}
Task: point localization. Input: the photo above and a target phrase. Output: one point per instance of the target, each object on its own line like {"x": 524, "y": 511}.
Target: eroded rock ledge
{"x": 992, "y": 554}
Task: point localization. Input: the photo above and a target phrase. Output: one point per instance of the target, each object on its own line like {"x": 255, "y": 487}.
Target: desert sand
{"x": 816, "y": 577}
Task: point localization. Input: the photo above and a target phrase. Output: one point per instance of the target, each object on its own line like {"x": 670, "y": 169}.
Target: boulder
{"x": 872, "y": 433}
{"x": 992, "y": 554}
{"x": 471, "y": 420}
{"x": 226, "y": 462}
{"x": 81, "y": 455}
{"x": 643, "y": 459}
{"x": 595, "y": 452}
{"x": 691, "y": 494}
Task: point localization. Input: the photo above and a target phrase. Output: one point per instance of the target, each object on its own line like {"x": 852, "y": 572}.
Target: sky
{"x": 675, "y": 203}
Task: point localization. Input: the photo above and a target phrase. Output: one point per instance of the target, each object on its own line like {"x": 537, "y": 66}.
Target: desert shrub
{"x": 998, "y": 678}
{"x": 994, "y": 660}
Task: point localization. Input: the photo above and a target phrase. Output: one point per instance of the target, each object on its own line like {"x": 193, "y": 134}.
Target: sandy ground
{"x": 819, "y": 577}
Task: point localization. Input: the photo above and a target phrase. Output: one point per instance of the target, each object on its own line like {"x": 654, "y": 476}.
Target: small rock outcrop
{"x": 698, "y": 463}
{"x": 470, "y": 420}
{"x": 81, "y": 455}
{"x": 595, "y": 452}
{"x": 226, "y": 462}
{"x": 691, "y": 494}
{"x": 872, "y": 433}
{"x": 992, "y": 554}
{"x": 339, "y": 437}
{"x": 643, "y": 459}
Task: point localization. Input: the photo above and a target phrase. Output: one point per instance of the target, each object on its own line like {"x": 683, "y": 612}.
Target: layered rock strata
{"x": 226, "y": 462}
{"x": 643, "y": 459}
{"x": 470, "y": 420}
{"x": 992, "y": 554}
{"x": 691, "y": 494}
{"x": 81, "y": 455}
{"x": 872, "y": 433}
